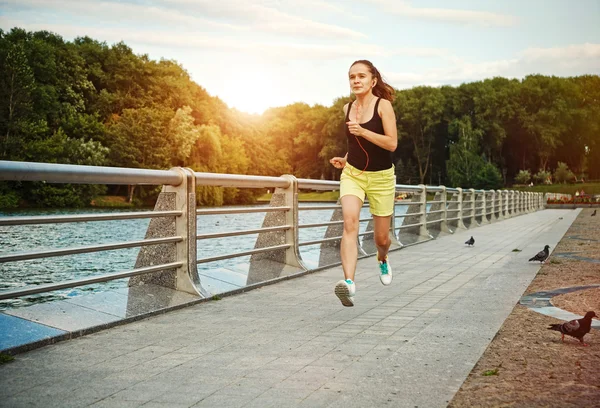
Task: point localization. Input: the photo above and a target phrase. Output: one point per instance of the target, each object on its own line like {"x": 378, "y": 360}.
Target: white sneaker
{"x": 345, "y": 292}
{"x": 385, "y": 271}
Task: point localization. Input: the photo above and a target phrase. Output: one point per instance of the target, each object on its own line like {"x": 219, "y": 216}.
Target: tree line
{"x": 87, "y": 102}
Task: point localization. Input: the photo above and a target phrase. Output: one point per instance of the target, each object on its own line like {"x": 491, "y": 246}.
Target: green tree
{"x": 488, "y": 178}
{"x": 523, "y": 177}
{"x": 16, "y": 85}
{"x": 562, "y": 174}
{"x": 421, "y": 109}
{"x": 182, "y": 135}
{"x": 541, "y": 176}
{"x": 465, "y": 163}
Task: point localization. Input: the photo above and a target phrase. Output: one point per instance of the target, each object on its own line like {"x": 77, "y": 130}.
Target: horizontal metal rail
{"x": 407, "y": 203}
{"x": 77, "y": 174}
{"x": 244, "y": 253}
{"x": 434, "y": 202}
{"x": 46, "y": 219}
{"x": 240, "y": 180}
{"x": 408, "y": 226}
{"x": 23, "y": 256}
{"x": 433, "y": 221}
{"x": 453, "y": 219}
{"x": 407, "y": 215}
{"x": 320, "y": 224}
{"x": 243, "y": 210}
{"x": 319, "y": 241}
{"x": 48, "y": 287}
{"x": 319, "y": 207}
{"x": 435, "y": 212}
{"x": 324, "y": 185}
{"x": 243, "y": 232}
{"x": 406, "y": 188}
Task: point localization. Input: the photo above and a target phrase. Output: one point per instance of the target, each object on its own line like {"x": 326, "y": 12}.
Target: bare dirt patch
{"x": 527, "y": 365}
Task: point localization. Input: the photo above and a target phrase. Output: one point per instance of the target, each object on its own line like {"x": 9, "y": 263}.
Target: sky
{"x": 256, "y": 54}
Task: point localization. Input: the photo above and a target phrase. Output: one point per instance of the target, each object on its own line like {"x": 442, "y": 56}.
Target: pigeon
{"x": 471, "y": 241}
{"x": 542, "y": 255}
{"x": 594, "y": 213}
{"x": 575, "y": 328}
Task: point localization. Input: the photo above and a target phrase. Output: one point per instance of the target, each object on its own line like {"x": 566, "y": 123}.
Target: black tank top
{"x": 379, "y": 158}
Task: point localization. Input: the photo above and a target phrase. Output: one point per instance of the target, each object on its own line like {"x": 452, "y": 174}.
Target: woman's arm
{"x": 340, "y": 162}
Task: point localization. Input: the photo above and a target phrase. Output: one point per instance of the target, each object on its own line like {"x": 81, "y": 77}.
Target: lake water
{"x": 216, "y": 277}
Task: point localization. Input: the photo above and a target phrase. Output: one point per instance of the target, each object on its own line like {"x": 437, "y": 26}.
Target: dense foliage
{"x": 85, "y": 102}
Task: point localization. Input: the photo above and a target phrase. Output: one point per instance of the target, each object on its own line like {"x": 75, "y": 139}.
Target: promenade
{"x": 292, "y": 344}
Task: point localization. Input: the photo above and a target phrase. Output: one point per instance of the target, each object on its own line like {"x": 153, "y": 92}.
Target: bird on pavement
{"x": 470, "y": 241}
{"x": 542, "y": 255}
{"x": 594, "y": 213}
{"x": 575, "y": 328}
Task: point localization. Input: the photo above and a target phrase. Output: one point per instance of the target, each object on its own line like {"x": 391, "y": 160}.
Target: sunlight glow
{"x": 253, "y": 88}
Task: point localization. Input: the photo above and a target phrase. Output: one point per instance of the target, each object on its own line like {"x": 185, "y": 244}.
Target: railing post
{"x": 484, "y": 201}
{"x": 185, "y": 278}
{"x": 500, "y": 205}
{"x": 292, "y": 254}
{"x": 460, "y": 215}
{"x": 473, "y": 203}
{"x": 423, "y": 210}
{"x": 444, "y": 199}
{"x": 542, "y": 199}
{"x": 284, "y": 262}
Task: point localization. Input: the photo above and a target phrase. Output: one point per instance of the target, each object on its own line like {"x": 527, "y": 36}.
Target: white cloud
{"x": 570, "y": 60}
{"x": 118, "y": 13}
{"x": 578, "y": 51}
{"x": 202, "y": 15}
{"x": 484, "y": 18}
{"x": 261, "y": 16}
{"x": 202, "y": 41}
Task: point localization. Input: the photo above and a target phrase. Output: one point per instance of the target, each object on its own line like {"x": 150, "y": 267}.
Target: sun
{"x": 253, "y": 88}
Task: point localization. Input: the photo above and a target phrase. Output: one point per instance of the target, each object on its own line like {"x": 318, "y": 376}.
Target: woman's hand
{"x": 355, "y": 128}
{"x": 338, "y": 162}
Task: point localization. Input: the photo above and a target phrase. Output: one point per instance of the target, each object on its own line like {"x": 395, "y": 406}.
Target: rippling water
{"x": 216, "y": 277}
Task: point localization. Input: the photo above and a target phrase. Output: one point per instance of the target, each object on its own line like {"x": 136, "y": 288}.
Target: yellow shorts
{"x": 378, "y": 186}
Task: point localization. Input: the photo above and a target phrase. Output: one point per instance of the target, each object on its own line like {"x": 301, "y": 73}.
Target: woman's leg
{"x": 351, "y": 206}
{"x": 382, "y": 235}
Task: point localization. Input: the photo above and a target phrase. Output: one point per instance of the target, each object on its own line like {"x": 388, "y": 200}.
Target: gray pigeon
{"x": 575, "y": 328}
{"x": 470, "y": 242}
{"x": 542, "y": 255}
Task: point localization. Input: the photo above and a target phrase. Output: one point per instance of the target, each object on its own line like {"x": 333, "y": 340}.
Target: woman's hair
{"x": 381, "y": 88}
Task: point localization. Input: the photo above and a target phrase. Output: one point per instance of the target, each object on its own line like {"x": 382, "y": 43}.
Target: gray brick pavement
{"x": 293, "y": 345}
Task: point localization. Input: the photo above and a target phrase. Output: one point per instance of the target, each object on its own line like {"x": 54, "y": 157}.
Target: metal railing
{"x": 174, "y": 222}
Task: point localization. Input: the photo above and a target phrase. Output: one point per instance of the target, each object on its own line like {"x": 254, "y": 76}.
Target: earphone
{"x": 358, "y": 141}
{"x": 359, "y": 115}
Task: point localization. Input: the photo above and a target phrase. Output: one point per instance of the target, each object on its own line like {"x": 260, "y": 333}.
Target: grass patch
{"x": 216, "y": 297}
{"x": 490, "y": 372}
{"x": 555, "y": 261}
{"x": 589, "y": 188}
{"x": 5, "y": 358}
{"x": 516, "y": 250}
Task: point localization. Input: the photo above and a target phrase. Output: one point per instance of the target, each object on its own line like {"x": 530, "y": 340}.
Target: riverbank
{"x": 527, "y": 365}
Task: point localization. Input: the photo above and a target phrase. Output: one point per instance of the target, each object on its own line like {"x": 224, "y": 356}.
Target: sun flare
{"x": 253, "y": 89}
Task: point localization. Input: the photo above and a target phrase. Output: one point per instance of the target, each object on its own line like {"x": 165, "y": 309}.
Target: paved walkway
{"x": 293, "y": 345}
